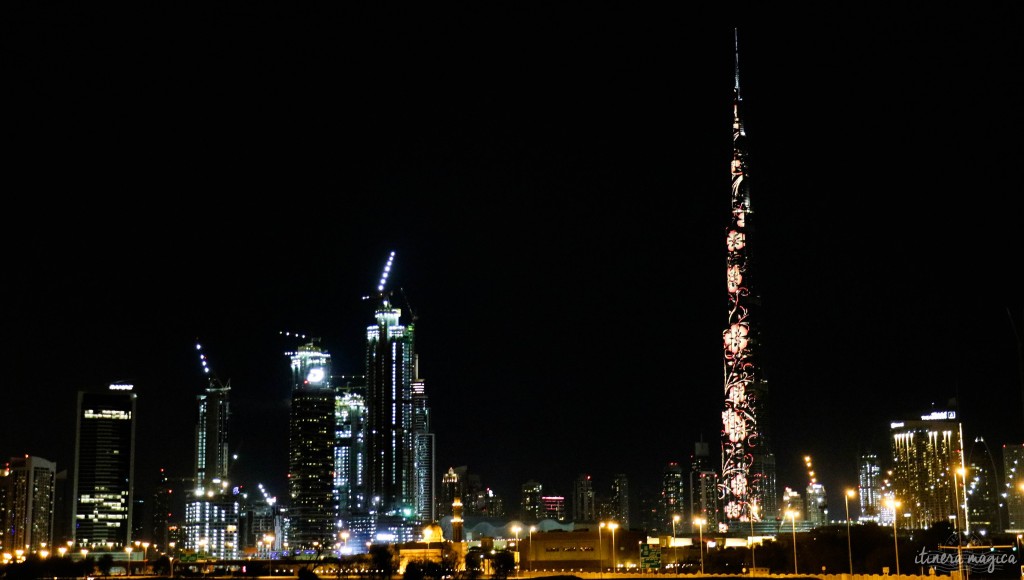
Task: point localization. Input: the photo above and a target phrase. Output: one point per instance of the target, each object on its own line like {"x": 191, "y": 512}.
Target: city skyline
{"x": 547, "y": 223}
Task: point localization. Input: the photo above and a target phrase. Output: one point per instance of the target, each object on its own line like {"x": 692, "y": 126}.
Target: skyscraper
{"x": 26, "y": 503}
{"x": 620, "y": 499}
{"x": 451, "y": 488}
{"x": 982, "y": 495}
{"x": 104, "y": 467}
{"x": 870, "y": 488}
{"x": 1013, "y": 473}
{"x": 671, "y": 495}
{"x": 926, "y": 454}
{"x": 532, "y": 508}
{"x": 703, "y": 486}
{"x": 747, "y": 487}
{"x": 423, "y": 449}
{"x": 211, "y": 513}
{"x": 350, "y": 445}
{"x": 311, "y": 441}
{"x": 390, "y": 447}
{"x": 583, "y": 499}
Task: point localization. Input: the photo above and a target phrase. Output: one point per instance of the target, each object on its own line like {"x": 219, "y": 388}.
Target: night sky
{"x": 556, "y": 186}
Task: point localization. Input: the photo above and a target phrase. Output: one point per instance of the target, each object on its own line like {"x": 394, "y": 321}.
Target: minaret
{"x": 747, "y": 486}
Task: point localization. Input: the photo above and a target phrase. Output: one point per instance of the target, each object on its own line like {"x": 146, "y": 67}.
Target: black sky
{"x": 555, "y": 182}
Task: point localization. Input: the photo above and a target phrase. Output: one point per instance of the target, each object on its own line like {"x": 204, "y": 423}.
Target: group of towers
{"x": 360, "y": 450}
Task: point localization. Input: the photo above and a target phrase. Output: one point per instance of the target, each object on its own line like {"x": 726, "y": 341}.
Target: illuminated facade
{"x": 620, "y": 500}
{"x": 816, "y": 505}
{"x": 26, "y": 503}
{"x": 211, "y": 524}
{"x": 532, "y": 509}
{"x": 451, "y": 488}
{"x": 423, "y": 450}
{"x": 553, "y": 507}
{"x": 926, "y": 455}
{"x": 671, "y": 494}
{"x": 104, "y": 467}
{"x": 870, "y": 488}
{"x": 747, "y": 486}
{"x": 1013, "y": 491}
{"x": 350, "y": 446}
{"x": 313, "y": 513}
{"x": 390, "y": 441}
{"x": 211, "y": 513}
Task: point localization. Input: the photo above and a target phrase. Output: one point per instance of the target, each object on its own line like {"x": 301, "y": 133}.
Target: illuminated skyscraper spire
{"x": 748, "y": 468}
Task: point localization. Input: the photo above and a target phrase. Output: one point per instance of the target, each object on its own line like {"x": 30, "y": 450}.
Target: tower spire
{"x": 748, "y": 467}
{"x": 736, "y": 42}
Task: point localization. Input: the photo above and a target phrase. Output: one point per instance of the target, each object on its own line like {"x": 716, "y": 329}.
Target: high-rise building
{"x": 672, "y": 503}
{"x": 870, "y": 487}
{"x": 703, "y": 486}
{"x": 211, "y": 512}
{"x": 161, "y": 511}
{"x": 982, "y": 490}
{"x": 747, "y": 486}
{"x": 926, "y": 453}
{"x": 26, "y": 503}
{"x": 350, "y": 444}
{"x": 553, "y": 507}
{"x": 1013, "y": 474}
{"x": 532, "y": 508}
{"x": 104, "y": 467}
{"x": 423, "y": 449}
{"x": 313, "y": 512}
{"x": 451, "y": 488}
{"x": 816, "y": 505}
{"x": 390, "y": 441}
{"x": 583, "y": 509}
{"x": 620, "y": 499}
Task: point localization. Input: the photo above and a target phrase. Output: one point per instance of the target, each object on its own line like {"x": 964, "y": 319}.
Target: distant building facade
{"x": 104, "y": 467}
{"x": 869, "y": 476}
{"x": 926, "y": 453}
{"x": 27, "y": 492}
{"x": 1013, "y": 472}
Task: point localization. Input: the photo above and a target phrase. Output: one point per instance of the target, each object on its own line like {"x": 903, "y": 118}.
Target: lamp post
{"x": 752, "y": 517}
{"x": 959, "y": 539}
{"x": 613, "y": 526}
{"x": 600, "y": 551}
{"x": 145, "y": 556}
{"x": 530, "y": 553}
{"x": 516, "y": 530}
{"x": 128, "y": 553}
{"x": 675, "y": 563}
{"x": 791, "y": 514}
{"x": 700, "y": 529}
{"x": 849, "y": 547}
{"x": 896, "y": 545}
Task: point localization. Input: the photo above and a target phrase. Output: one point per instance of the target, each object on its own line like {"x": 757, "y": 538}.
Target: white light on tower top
{"x": 384, "y": 275}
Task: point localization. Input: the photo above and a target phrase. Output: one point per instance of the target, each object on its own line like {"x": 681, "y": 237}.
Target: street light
{"x": 896, "y": 545}
{"x": 600, "y": 551}
{"x": 752, "y": 517}
{"x": 959, "y": 540}
{"x": 128, "y": 552}
{"x": 530, "y": 553}
{"x": 145, "y": 556}
{"x": 613, "y": 526}
{"x": 675, "y": 520}
{"x": 849, "y": 548}
{"x": 791, "y": 514}
{"x": 700, "y": 529}
{"x": 62, "y": 550}
{"x": 516, "y": 530}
